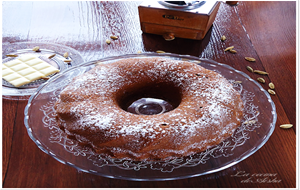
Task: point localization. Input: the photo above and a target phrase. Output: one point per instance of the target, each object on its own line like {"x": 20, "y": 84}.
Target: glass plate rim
{"x": 166, "y": 55}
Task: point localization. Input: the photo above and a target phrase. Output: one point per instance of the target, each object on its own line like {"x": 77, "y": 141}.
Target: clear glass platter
{"x": 46, "y": 49}
{"x": 257, "y": 126}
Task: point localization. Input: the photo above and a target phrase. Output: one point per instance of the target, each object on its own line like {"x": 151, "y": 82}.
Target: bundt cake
{"x": 93, "y": 109}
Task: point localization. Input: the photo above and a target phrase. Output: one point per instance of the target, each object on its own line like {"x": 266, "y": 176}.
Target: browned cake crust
{"x": 91, "y": 109}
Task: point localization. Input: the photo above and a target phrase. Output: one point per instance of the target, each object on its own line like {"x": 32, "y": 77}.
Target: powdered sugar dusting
{"x": 210, "y": 106}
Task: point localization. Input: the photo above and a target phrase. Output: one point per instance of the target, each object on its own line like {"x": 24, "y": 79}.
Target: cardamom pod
{"x": 261, "y": 80}
{"x": 160, "y": 51}
{"x": 229, "y": 48}
{"x": 51, "y": 56}
{"x": 237, "y": 82}
{"x": 66, "y": 55}
{"x": 271, "y": 85}
{"x": 232, "y": 51}
{"x": 223, "y": 38}
{"x": 286, "y": 126}
{"x": 251, "y": 59}
{"x": 46, "y": 78}
{"x": 249, "y": 69}
{"x": 114, "y": 37}
{"x": 260, "y": 72}
{"x": 271, "y": 91}
{"x": 37, "y": 48}
{"x": 11, "y": 55}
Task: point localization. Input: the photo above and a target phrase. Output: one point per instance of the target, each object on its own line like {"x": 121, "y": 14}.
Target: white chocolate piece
{"x": 34, "y": 76}
{"x": 41, "y": 66}
{"x": 48, "y": 71}
{"x": 12, "y": 76}
{"x": 20, "y": 81}
{"x": 25, "y": 69}
{"x": 19, "y": 67}
{"x": 33, "y": 62}
{"x": 6, "y": 71}
{"x": 13, "y": 62}
{"x": 26, "y": 58}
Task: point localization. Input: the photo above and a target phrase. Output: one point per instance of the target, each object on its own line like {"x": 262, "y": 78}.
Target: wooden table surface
{"x": 265, "y": 31}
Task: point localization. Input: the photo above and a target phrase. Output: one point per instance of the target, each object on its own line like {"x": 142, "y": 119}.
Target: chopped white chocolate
{"x": 25, "y": 69}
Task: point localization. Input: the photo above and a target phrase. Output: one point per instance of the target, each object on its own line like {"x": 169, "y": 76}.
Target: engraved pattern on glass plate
{"x": 224, "y": 149}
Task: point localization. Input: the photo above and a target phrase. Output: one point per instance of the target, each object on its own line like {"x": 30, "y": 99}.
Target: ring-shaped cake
{"x": 93, "y": 109}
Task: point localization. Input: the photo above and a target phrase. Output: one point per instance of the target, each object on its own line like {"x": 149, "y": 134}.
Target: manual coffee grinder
{"x": 182, "y": 19}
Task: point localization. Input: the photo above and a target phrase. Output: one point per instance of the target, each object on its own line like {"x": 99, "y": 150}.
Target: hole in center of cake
{"x": 150, "y": 99}
{"x": 149, "y": 106}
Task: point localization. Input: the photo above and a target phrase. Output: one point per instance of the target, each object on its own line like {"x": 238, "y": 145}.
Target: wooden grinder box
{"x": 179, "y": 19}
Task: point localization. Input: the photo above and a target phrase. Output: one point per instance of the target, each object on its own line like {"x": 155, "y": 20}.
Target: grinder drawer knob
{"x": 169, "y": 36}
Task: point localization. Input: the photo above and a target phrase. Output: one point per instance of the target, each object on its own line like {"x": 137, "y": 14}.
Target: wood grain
{"x": 265, "y": 31}
{"x": 7, "y": 132}
{"x": 275, "y": 46}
